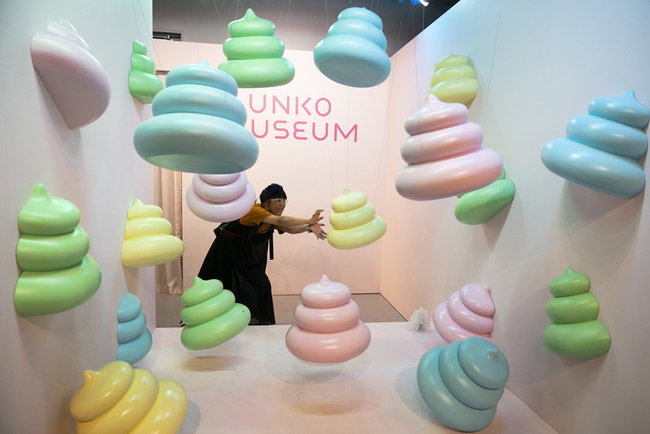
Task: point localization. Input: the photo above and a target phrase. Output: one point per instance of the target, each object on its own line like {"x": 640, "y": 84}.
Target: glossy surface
{"x": 143, "y": 82}
{"x": 220, "y": 198}
{"x": 133, "y": 337}
{"x": 453, "y": 80}
{"x": 354, "y": 223}
{"x": 482, "y": 205}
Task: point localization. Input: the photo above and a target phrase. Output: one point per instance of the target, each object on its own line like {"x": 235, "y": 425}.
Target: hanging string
{"x": 487, "y": 92}
{"x": 322, "y": 92}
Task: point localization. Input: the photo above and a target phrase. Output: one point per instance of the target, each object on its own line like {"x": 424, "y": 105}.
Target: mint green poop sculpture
{"x": 574, "y": 331}
{"x": 480, "y": 206}
{"x": 52, "y": 252}
{"x": 254, "y": 54}
{"x": 143, "y": 83}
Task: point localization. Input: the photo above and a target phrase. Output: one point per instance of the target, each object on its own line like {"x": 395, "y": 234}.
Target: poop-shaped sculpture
{"x": 74, "y": 79}
{"x": 198, "y": 124}
{"x": 354, "y": 223}
{"x": 254, "y": 54}
{"x": 467, "y": 313}
{"x": 147, "y": 238}
{"x": 480, "y": 206}
{"x": 354, "y": 51}
{"x": 601, "y": 148}
{"x": 463, "y": 382}
{"x": 453, "y": 80}
{"x": 211, "y": 315}
{"x": 118, "y": 399}
{"x": 143, "y": 83}
{"x": 574, "y": 331}
{"x": 444, "y": 154}
{"x": 327, "y": 329}
{"x": 133, "y": 336}
{"x": 52, "y": 252}
{"x": 220, "y": 198}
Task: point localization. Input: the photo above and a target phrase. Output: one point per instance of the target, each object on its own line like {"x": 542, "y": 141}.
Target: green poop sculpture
{"x": 574, "y": 331}
{"x": 143, "y": 83}
{"x": 52, "y": 252}
{"x": 480, "y": 206}
{"x": 254, "y": 54}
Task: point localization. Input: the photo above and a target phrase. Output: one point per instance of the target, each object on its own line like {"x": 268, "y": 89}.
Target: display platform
{"x": 252, "y": 384}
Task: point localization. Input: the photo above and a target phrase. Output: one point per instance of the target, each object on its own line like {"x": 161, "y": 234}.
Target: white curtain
{"x": 168, "y": 194}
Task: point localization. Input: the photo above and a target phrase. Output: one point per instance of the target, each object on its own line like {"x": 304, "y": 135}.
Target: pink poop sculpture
{"x": 327, "y": 329}
{"x": 467, "y": 313}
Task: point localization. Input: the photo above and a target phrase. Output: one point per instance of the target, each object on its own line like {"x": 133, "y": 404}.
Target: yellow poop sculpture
{"x": 118, "y": 399}
{"x": 453, "y": 80}
{"x": 354, "y": 223}
{"x": 148, "y": 239}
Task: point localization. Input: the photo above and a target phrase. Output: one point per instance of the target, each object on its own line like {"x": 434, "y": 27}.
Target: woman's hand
{"x": 318, "y": 231}
{"x": 316, "y": 217}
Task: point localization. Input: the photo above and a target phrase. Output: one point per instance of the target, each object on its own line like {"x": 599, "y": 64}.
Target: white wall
{"x": 96, "y": 168}
{"x": 313, "y": 172}
{"x": 539, "y": 64}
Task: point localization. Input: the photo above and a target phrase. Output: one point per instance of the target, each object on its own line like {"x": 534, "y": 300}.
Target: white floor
{"x": 252, "y": 384}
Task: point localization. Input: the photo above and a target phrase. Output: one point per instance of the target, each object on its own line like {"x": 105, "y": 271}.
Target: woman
{"x": 237, "y": 256}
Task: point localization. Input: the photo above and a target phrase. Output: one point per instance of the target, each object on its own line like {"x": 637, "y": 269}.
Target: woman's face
{"x": 276, "y": 206}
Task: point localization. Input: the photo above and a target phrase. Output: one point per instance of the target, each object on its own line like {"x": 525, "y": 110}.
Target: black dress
{"x": 237, "y": 258}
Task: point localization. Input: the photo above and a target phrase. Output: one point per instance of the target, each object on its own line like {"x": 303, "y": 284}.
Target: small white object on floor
{"x": 419, "y": 321}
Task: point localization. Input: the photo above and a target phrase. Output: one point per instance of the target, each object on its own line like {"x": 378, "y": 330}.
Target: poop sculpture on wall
{"x": 463, "y": 382}
{"x": 453, "y": 80}
{"x": 601, "y": 148}
{"x": 354, "y": 223}
{"x": 574, "y": 331}
{"x": 198, "y": 124}
{"x": 354, "y": 51}
{"x": 444, "y": 154}
{"x": 254, "y": 54}
{"x": 74, "y": 79}
{"x": 143, "y": 83}
{"x": 480, "y": 206}
{"x": 52, "y": 252}
{"x": 327, "y": 329}
{"x": 147, "y": 238}
{"x": 133, "y": 336}
{"x": 467, "y": 313}
{"x": 119, "y": 399}
{"x": 220, "y": 198}
{"x": 211, "y": 315}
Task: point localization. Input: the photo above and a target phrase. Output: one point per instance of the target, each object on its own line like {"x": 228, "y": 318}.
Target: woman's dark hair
{"x": 273, "y": 191}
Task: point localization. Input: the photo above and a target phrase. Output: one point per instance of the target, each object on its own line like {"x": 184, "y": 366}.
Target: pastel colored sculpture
{"x": 327, "y": 329}
{"x": 467, "y": 313}
{"x": 147, "y": 238}
{"x": 601, "y": 148}
{"x": 211, "y": 315}
{"x": 354, "y": 223}
{"x": 480, "y": 206}
{"x": 198, "y": 124}
{"x": 254, "y": 54}
{"x": 74, "y": 79}
{"x": 354, "y": 51}
{"x": 133, "y": 336}
{"x": 419, "y": 320}
{"x": 220, "y": 198}
{"x": 143, "y": 83}
{"x": 453, "y": 80}
{"x": 463, "y": 382}
{"x": 444, "y": 154}
{"x": 52, "y": 252}
{"x": 574, "y": 331}
{"x": 118, "y": 399}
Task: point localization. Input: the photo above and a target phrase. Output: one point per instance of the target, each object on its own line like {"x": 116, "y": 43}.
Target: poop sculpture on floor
{"x": 453, "y": 80}
{"x": 574, "y": 331}
{"x": 327, "y": 329}
{"x": 143, "y": 83}
{"x": 354, "y": 223}
{"x": 198, "y": 124}
{"x": 354, "y": 51}
{"x": 211, "y": 315}
{"x": 463, "y": 382}
{"x": 52, "y": 252}
{"x": 601, "y": 148}
{"x": 133, "y": 336}
{"x": 467, "y": 313}
{"x": 220, "y": 198}
{"x": 254, "y": 54}
{"x": 75, "y": 80}
{"x": 444, "y": 154}
{"x": 480, "y": 206}
{"x": 118, "y": 399}
{"x": 147, "y": 238}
